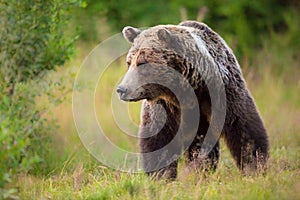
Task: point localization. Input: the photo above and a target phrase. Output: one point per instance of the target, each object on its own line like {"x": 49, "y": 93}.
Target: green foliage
{"x": 21, "y": 137}
{"x": 32, "y": 38}
{"x": 243, "y": 23}
{"x": 246, "y": 24}
{"x": 33, "y": 41}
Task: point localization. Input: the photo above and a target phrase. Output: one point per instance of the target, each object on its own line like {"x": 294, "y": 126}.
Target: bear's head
{"x": 156, "y": 62}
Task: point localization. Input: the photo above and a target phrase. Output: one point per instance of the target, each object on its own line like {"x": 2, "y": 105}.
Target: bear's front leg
{"x": 200, "y": 162}
{"x": 169, "y": 172}
{"x": 158, "y": 161}
{"x": 159, "y": 125}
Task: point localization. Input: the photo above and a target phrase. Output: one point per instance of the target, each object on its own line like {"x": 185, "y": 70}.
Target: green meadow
{"x": 77, "y": 175}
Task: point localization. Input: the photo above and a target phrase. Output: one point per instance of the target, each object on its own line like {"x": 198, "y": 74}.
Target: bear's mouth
{"x": 133, "y": 98}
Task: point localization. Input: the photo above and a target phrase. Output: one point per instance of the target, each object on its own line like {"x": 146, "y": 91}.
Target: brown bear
{"x": 205, "y": 61}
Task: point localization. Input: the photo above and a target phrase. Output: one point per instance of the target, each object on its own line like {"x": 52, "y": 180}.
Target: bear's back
{"x": 217, "y": 47}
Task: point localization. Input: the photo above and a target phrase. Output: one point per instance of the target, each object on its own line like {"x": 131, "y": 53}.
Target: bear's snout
{"x": 123, "y": 93}
{"x": 128, "y": 94}
{"x": 121, "y": 90}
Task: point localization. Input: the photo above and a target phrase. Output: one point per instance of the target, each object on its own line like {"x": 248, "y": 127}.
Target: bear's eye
{"x": 140, "y": 63}
{"x": 141, "y": 60}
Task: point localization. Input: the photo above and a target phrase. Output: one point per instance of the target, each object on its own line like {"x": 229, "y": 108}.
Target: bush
{"x": 33, "y": 38}
{"x": 33, "y": 41}
{"x": 23, "y": 133}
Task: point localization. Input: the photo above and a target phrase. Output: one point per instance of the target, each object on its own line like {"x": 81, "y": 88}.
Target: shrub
{"x": 33, "y": 41}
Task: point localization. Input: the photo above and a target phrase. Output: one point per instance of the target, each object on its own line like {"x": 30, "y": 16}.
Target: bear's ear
{"x": 165, "y": 35}
{"x": 130, "y": 33}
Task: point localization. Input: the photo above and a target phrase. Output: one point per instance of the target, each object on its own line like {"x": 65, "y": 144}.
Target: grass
{"x": 280, "y": 182}
{"x": 78, "y": 176}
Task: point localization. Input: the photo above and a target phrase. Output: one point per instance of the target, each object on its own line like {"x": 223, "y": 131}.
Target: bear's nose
{"x": 121, "y": 90}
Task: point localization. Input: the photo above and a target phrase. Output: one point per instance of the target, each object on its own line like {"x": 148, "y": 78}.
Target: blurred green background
{"x": 42, "y": 44}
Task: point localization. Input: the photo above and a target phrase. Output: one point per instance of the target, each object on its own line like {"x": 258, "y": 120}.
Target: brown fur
{"x": 175, "y": 47}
